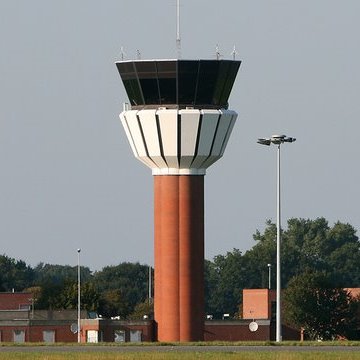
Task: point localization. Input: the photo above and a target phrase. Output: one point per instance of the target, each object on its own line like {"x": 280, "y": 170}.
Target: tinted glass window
{"x": 220, "y": 83}
{"x": 166, "y": 72}
{"x": 126, "y": 70}
{"x": 130, "y": 81}
{"x": 230, "y": 78}
{"x": 187, "y": 80}
{"x": 133, "y": 91}
{"x": 207, "y": 82}
{"x": 184, "y": 82}
{"x": 150, "y": 91}
{"x": 147, "y": 74}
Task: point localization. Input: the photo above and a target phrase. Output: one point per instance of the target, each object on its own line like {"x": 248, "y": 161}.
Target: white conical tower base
{"x": 178, "y": 142}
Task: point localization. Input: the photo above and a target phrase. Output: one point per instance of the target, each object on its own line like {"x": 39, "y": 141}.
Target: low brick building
{"x": 15, "y": 301}
{"x": 20, "y": 322}
{"x": 236, "y": 330}
{"x": 259, "y": 304}
{"x": 109, "y": 330}
{"x": 38, "y": 326}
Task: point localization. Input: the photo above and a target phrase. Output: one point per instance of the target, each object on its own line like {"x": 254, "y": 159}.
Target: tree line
{"x": 318, "y": 263}
{"x": 316, "y": 257}
{"x": 113, "y": 291}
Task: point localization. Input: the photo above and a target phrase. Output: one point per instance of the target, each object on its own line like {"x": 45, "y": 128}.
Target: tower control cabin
{"x": 178, "y": 124}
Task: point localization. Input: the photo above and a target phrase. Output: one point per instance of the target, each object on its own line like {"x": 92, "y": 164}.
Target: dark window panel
{"x": 167, "y": 91}
{"x": 187, "y": 80}
{"x": 146, "y": 69}
{"x": 198, "y": 83}
{"x": 147, "y": 74}
{"x": 131, "y": 83}
{"x": 230, "y": 79}
{"x": 166, "y": 71}
{"x": 218, "y": 99}
{"x": 207, "y": 80}
{"x": 150, "y": 90}
{"x": 126, "y": 70}
{"x": 133, "y": 91}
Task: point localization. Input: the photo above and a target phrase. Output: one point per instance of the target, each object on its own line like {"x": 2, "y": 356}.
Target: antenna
{"x": 122, "y": 53}
{"x": 178, "y": 39}
{"x": 217, "y": 52}
{"x": 234, "y": 53}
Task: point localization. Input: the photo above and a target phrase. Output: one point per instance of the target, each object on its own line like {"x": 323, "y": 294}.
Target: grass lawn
{"x": 182, "y": 355}
{"x": 11, "y": 351}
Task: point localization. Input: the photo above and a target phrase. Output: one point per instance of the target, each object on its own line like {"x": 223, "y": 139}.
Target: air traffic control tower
{"x": 178, "y": 124}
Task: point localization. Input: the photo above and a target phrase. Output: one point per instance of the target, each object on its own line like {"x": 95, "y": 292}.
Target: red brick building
{"x": 258, "y": 303}
{"x": 15, "y": 301}
{"x": 20, "y": 322}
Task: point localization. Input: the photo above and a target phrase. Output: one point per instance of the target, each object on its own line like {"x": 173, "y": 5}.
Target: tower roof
{"x": 178, "y": 83}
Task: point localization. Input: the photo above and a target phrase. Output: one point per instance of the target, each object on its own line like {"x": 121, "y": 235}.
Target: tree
{"x": 343, "y": 255}
{"x": 58, "y": 284}
{"x": 223, "y": 279}
{"x": 89, "y": 298}
{"x": 49, "y": 296}
{"x": 145, "y": 308}
{"x": 325, "y": 312}
{"x": 114, "y": 303}
{"x": 35, "y": 292}
{"x": 257, "y": 258}
{"x": 14, "y": 274}
{"x": 121, "y": 287}
{"x": 59, "y": 274}
{"x": 307, "y": 245}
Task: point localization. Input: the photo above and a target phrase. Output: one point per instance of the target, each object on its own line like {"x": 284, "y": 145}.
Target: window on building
{"x": 135, "y": 335}
{"x": 119, "y": 335}
{"x": 19, "y": 336}
{"x": 92, "y": 336}
{"x": 24, "y": 306}
{"x": 49, "y": 336}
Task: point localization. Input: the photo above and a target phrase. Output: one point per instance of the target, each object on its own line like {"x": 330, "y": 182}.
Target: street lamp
{"x": 79, "y": 298}
{"x": 269, "y": 266}
{"x": 277, "y": 140}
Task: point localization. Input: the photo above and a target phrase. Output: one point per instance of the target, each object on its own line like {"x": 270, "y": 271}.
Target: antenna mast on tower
{"x": 178, "y": 39}
{"x": 234, "y": 53}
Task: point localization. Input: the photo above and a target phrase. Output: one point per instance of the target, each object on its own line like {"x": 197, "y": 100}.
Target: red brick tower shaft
{"x": 179, "y": 257}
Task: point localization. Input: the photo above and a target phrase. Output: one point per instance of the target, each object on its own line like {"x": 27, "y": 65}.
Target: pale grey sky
{"x": 68, "y": 178}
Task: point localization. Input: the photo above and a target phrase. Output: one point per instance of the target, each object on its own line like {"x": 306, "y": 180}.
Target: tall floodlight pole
{"x": 277, "y": 140}
{"x": 79, "y": 298}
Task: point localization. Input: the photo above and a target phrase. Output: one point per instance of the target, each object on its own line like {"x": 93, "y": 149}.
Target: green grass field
{"x": 183, "y": 356}
{"x": 171, "y": 352}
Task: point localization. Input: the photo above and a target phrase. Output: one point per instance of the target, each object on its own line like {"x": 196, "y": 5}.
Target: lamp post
{"x": 269, "y": 266}
{"x": 79, "y": 298}
{"x": 150, "y": 286}
{"x": 277, "y": 140}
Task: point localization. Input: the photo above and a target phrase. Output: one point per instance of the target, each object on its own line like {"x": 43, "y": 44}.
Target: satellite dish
{"x": 253, "y": 326}
{"x": 74, "y": 328}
